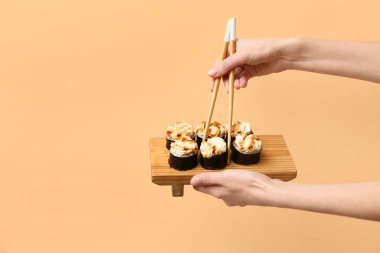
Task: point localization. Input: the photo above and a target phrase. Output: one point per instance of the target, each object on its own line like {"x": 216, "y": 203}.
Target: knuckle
{"x": 229, "y": 203}
{"x": 208, "y": 181}
{"x": 218, "y": 195}
{"x": 221, "y": 195}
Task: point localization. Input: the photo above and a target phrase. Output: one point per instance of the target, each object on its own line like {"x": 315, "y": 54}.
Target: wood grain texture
{"x": 275, "y": 162}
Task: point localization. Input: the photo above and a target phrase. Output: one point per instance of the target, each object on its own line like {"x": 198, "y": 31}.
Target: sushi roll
{"x": 215, "y": 130}
{"x": 183, "y": 153}
{"x": 240, "y": 127}
{"x": 246, "y": 149}
{"x": 213, "y": 153}
{"x": 177, "y": 130}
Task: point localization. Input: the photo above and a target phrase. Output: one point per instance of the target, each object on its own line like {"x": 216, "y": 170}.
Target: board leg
{"x": 177, "y": 190}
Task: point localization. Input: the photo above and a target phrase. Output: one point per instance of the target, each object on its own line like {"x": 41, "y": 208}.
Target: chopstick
{"x": 217, "y": 82}
{"x": 231, "y": 80}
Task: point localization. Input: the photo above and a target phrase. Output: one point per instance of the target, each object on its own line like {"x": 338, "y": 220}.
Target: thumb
{"x": 227, "y": 65}
{"x": 207, "y": 179}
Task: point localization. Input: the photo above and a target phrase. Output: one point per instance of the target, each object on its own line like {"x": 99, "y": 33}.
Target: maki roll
{"x": 177, "y": 130}
{"x": 183, "y": 153}
{"x": 215, "y": 130}
{"x": 246, "y": 149}
{"x": 214, "y": 153}
{"x": 240, "y": 127}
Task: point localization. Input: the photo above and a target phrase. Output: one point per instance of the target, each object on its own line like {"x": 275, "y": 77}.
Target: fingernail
{"x": 212, "y": 72}
{"x": 195, "y": 181}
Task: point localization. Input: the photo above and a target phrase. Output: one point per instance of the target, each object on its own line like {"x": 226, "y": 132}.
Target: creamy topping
{"x": 241, "y": 127}
{"x": 213, "y": 146}
{"x": 179, "y": 129}
{"x": 183, "y": 146}
{"x": 215, "y": 130}
{"x": 247, "y": 143}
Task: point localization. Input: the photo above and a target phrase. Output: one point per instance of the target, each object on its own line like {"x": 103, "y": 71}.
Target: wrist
{"x": 290, "y": 52}
{"x": 279, "y": 193}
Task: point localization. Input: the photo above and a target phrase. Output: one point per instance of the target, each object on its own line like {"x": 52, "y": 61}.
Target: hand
{"x": 253, "y": 58}
{"x": 242, "y": 187}
{"x": 237, "y": 187}
{"x": 260, "y": 57}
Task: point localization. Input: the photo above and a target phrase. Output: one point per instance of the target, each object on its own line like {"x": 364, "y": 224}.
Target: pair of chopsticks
{"x": 229, "y": 40}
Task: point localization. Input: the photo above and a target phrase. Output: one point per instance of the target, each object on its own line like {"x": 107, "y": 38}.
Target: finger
{"x": 238, "y": 70}
{"x": 217, "y": 191}
{"x": 207, "y": 179}
{"x": 212, "y": 82}
{"x": 233, "y": 203}
{"x": 228, "y": 64}
{"x": 237, "y": 84}
{"x": 245, "y": 75}
{"x": 243, "y": 80}
{"x": 229, "y": 203}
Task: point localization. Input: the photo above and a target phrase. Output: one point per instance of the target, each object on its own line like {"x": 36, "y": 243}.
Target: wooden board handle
{"x": 177, "y": 190}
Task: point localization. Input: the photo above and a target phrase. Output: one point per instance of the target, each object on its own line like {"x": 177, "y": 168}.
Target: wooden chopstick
{"x": 231, "y": 89}
{"x": 217, "y": 82}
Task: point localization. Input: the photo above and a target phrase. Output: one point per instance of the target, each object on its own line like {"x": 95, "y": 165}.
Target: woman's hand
{"x": 258, "y": 57}
{"x": 254, "y": 58}
{"x": 237, "y": 187}
{"x": 242, "y": 187}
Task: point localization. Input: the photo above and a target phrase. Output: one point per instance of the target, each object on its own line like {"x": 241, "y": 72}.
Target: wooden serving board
{"x": 275, "y": 162}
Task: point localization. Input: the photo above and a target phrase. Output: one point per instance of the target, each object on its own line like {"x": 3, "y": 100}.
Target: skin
{"x": 253, "y": 58}
{"x": 259, "y": 57}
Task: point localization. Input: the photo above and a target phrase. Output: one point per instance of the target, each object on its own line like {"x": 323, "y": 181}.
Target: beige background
{"x": 84, "y": 84}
